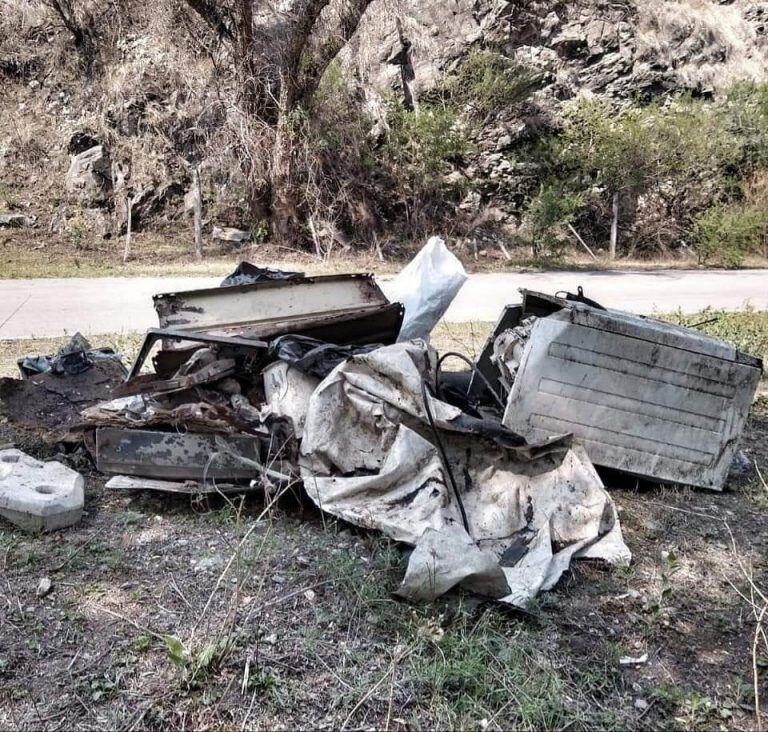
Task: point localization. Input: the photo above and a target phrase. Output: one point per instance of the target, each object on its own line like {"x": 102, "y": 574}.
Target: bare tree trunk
{"x": 82, "y": 31}
{"x": 376, "y": 243}
{"x": 315, "y": 238}
{"x": 198, "y": 213}
{"x": 253, "y": 104}
{"x": 128, "y": 217}
{"x": 614, "y": 225}
{"x": 286, "y": 226}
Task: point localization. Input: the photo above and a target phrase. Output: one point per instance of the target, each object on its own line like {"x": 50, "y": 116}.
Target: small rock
{"x": 208, "y": 563}
{"x": 633, "y": 660}
{"x": 16, "y": 220}
{"x": 44, "y": 587}
{"x": 740, "y": 465}
{"x": 278, "y": 579}
{"x": 310, "y": 595}
{"x": 641, "y": 704}
{"x": 271, "y": 639}
{"x": 89, "y": 175}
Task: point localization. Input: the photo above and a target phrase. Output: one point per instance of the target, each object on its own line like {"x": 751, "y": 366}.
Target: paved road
{"x": 51, "y": 307}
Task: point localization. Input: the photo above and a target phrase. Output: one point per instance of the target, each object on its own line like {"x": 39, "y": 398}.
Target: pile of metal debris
{"x": 276, "y": 378}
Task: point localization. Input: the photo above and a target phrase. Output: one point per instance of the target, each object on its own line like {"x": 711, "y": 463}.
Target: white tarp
{"x": 426, "y": 287}
{"x": 529, "y": 509}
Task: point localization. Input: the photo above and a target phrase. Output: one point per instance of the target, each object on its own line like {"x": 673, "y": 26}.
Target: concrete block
{"x": 36, "y": 495}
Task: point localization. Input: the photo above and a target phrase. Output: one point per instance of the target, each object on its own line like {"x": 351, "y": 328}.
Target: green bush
{"x": 727, "y": 233}
{"x": 746, "y": 109}
{"x": 677, "y": 157}
{"x": 746, "y": 329}
{"x": 643, "y": 147}
{"x": 420, "y": 149}
{"x": 424, "y": 142}
{"x": 488, "y": 82}
{"x": 547, "y": 212}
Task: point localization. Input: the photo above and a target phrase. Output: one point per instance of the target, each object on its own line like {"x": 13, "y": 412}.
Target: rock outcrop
{"x": 89, "y": 177}
{"x": 619, "y": 49}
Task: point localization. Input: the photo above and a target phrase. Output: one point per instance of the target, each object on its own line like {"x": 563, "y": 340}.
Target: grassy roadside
{"x": 30, "y": 256}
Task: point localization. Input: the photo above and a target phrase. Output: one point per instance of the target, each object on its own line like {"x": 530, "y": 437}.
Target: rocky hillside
{"x": 81, "y": 137}
{"x": 619, "y": 49}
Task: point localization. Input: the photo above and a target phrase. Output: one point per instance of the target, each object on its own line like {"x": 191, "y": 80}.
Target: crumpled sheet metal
{"x": 508, "y": 349}
{"x": 141, "y": 412}
{"x": 530, "y": 510}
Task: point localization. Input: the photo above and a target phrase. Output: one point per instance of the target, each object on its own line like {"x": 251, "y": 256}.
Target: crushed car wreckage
{"x": 488, "y": 473}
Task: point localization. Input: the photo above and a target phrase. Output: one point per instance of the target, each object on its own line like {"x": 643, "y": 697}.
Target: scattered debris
{"x": 633, "y": 660}
{"x": 74, "y": 357}
{"x": 16, "y": 220}
{"x": 51, "y": 404}
{"x": 38, "y": 496}
{"x": 190, "y": 487}
{"x": 249, "y": 274}
{"x": 278, "y": 378}
{"x": 229, "y": 233}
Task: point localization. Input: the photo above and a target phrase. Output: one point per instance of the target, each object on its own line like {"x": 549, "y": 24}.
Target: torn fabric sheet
{"x": 530, "y": 509}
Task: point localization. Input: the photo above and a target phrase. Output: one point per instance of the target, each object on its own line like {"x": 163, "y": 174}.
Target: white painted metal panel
{"x": 664, "y": 403}
{"x": 296, "y": 300}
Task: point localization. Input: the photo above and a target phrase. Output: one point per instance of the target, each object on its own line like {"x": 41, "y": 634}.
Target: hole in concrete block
{"x": 46, "y": 490}
{"x": 10, "y": 458}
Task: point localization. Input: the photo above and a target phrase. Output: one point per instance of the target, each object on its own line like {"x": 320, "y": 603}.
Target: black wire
{"x": 473, "y": 367}
{"x": 444, "y": 456}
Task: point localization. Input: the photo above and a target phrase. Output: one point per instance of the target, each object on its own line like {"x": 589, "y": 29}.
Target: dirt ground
{"x": 205, "y": 613}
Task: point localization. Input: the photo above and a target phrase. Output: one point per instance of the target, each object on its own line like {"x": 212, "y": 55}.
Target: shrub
{"x": 728, "y": 232}
{"x": 548, "y": 212}
{"x": 487, "y": 82}
{"x": 421, "y": 147}
{"x": 424, "y": 141}
{"x": 675, "y": 155}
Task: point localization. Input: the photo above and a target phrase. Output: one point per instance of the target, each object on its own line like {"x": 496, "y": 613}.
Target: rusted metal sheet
{"x": 207, "y": 374}
{"x": 155, "y": 334}
{"x": 377, "y": 325}
{"x": 174, "y": 455}
{"x": 646, "y": 397}
{"x": 267, "y": 307}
